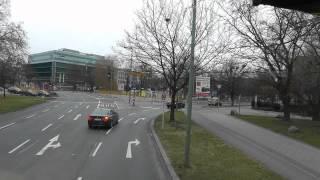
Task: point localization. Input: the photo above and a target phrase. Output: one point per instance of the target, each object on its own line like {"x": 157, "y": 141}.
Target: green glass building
{"x": 64, "y": 67}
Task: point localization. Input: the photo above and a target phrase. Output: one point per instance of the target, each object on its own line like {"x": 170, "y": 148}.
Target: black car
{"x": 102, "y": 117}
{"x": 177, "y": 105}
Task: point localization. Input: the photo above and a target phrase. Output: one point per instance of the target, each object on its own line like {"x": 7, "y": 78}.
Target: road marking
{"x": 132, "y": 114}
{"x": 96, "y": 150}
{"x": 79, "y": 178}
{"x": 45, "y": 128}
{"x": 120, "y": 119}
{"x": 70, "y": 111}
{"x": 7, "y": 125}
{"x": 16, "y": 148}
{"x": 108, "y": 131}
{"x": 146, "y": 107}
{"x": 129, "y": 153}
{"x": 88, "y": 106}
{"x": 139, "y": 119}
{"x": 116, "y": 105}
{"x": 50, "y": 145}
{"x": 146, "y": 110}
{"x": 77, "y": 117}
{"x": 30, "y": 116}
{"x": 45, "y": 110}
{"x": 155, "y": 108}
{"x": 61, "y": 117}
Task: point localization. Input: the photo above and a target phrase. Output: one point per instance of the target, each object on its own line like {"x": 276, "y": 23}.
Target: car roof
{"x": 101, "y": 112}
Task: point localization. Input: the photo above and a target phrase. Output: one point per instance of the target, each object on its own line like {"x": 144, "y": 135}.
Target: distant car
{"x": 43, "y": 93}
{"x": 214, "y": 101}
{"x": 177, "y": 105}
{"x": 102, "y": 117}
{"x": 53, "y": 94}
{"x": 28, "y": 92}
{"x": 14, "y": 90}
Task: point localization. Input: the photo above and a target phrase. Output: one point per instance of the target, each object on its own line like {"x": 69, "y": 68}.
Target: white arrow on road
{"x": 129, "y": 154}
{"x": 140, "y": 119}
{"x": 50, "y": 145}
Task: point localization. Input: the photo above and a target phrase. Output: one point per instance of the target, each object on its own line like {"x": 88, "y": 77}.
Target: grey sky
{"x": 89, "y": 26}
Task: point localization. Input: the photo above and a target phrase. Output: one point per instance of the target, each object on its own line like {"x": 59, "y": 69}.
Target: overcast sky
{"x": 91, "y": 26}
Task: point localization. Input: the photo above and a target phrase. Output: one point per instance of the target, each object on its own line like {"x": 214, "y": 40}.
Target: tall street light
{"x": 190, "y": 87}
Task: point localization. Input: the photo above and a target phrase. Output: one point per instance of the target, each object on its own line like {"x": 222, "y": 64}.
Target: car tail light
{"x": 105, "y": 119}
{"x": 90, "y": 118}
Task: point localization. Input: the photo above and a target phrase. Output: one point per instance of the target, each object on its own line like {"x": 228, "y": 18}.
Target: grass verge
{"x": 309, "y": 130}
{"x": 210, "y": 157}
{"x": 14, "y": 103}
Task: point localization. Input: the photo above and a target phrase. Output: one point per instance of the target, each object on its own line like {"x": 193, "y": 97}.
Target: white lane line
{"x": 45, "y": 110}
{"x": 146, "y": 107}
{"x": 120, "y": 119}
{"x": 16, "y": 148}
{"x": 132, "y": 114}
{"x": 70, "y": 111}
{"x": 79, "y": 178}
{"x": 108, "y": 131}
{"x": 7, "y": 125}
{"x": 139, "y": 119}
{"x": 146, "y": 110}
{"x": 96, "y": 150}
{"x": 61, "y": 117}
{"x": 77, "y": 117}
{"x": 30, "y": 116}
{"x": 88, "y": 106}
{"x": 155, "y": 108}
{"x": 45, "y": 128}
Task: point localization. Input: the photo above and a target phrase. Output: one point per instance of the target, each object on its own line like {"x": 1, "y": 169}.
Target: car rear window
{"x": 101, "y": 112}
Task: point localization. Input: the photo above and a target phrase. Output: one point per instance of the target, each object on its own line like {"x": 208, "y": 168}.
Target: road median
{"x": 210, "y": 157}
{"x": 14, "y": 103}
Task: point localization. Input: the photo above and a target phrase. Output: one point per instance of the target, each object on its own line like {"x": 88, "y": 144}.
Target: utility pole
{"x": 190, "y": 87}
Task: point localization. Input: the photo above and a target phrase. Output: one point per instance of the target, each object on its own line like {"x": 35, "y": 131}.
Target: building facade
{"x": 63, "y": 67}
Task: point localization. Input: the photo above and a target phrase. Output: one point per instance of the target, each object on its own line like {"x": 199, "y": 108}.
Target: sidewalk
{"x": 285, "y": 156}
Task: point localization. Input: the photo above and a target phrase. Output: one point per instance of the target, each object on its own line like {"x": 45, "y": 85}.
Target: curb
{"x": 164, "y": 156}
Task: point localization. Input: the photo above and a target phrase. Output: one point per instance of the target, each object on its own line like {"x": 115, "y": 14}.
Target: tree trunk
{"x": 232, "y": 98}
{"x": 286, "y": 110}
{"x": 173, "y": 100}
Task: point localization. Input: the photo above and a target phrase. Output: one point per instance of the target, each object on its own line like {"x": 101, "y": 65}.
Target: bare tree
{"x": 12, "y": 47}
{"x": 231, "y": 75}
{"x": 273, "y": 40}
{"x": 162, "y": 39}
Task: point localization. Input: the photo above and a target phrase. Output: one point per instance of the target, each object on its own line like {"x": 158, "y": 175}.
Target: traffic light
{"x": 309, "y": 6}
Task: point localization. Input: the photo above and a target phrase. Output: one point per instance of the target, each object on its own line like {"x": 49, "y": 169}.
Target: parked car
{"x": 43, "y": 93}
{"x": 53, "y": 94}
{"x": 102, "y": 117}
{"x": 177, "y": 105}
{"x": 14, "y": 90}
{"x": 214, "y": 101}
{"x": 28, "y": 92}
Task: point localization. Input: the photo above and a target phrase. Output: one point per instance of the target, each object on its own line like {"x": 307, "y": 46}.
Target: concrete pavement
{"x": 52, "y": 141}
{"x": 287, "y": 157}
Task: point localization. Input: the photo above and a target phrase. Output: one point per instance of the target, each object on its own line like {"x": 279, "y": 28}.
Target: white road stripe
{"x": 120, "y": 119}
{"x": 108, "y": 131}
{"x": 146, "y": 110}
{"x": 132, "y": 114}
{"x": 77, "y": 117}
{"x": 61, "y": 117}
{"x": 96, "y": 150}
{"x": 45, "y": 128}
{"x": 16, "y": 148}
{"x": 88, "y": 106}
{"x": 79, "y": 178}
{"x": 30, "y": 116}
{"x": 45, "y": 110}
{"x": 7, "y": 125}
{"x": 70, "y": 111}
{"x": 116, "y": 105}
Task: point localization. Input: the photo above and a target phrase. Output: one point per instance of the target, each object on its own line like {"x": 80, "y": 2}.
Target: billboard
{"x": 202, "y": 86}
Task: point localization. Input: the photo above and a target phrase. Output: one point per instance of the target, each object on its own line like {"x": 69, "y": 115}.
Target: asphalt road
{"x": 52, "y": 141}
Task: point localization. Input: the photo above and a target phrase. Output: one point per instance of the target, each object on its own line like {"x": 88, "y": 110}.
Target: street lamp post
{"x": 190, "y": 87}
